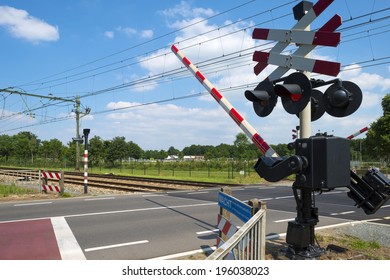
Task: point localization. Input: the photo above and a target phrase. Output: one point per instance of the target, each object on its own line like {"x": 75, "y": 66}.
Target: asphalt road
{"x": 146, "y": 226}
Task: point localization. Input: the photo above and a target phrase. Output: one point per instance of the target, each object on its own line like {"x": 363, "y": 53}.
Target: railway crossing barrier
{"x": 246, "y": 243}
{"x": 56, "y": 176}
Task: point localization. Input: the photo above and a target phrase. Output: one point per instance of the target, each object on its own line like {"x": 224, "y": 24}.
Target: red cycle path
{"x": 28, "y": 240}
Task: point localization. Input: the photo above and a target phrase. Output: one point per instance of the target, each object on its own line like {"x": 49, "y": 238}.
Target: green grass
{"x": 359, "y": 244}
{"x": 214, "y": 176}
{"x": 12, "y": 190}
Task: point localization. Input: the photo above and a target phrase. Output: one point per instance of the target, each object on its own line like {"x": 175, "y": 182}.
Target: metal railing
{"x": 21, "y": 178}
{"x": 248, "y": 243}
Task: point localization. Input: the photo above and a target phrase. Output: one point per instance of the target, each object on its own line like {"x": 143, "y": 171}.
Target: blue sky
{"x": 116, "y": 54}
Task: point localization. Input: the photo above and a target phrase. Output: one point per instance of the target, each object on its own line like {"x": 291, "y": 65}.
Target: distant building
{"x": 171, "y": 158}
{"x": 197, "y": 158}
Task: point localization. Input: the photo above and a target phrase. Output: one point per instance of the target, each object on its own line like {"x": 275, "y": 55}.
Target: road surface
{"x": 146, "y": 226}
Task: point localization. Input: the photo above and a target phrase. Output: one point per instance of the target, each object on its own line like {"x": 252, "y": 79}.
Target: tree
{"x": 26, "y": 145}
{"x": 70, "y": 152}
{"x": 223, "y": 151}
{"x": 378, "y": 136}
{"x": 117, "y": 150}
{"x": 244, "y": 149}
{"x": 173, "y": 151}
{"x": 6, "y": 146}
{"x": 53, "y": 149}
{"x": 96, "y": 150}
{"x": 282, "y": 150}
{"x": 134, "y": 150}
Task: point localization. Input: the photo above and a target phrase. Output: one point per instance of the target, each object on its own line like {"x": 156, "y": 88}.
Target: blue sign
{"x": 242, "y": 210}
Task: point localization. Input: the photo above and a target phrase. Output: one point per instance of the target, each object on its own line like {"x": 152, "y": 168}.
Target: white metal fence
{"x": 248, "y": 243}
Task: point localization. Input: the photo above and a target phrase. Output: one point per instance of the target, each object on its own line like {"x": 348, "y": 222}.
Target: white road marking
{"x": 153, "y": 195}
{"x": 283, "y": 197}
{"x": 207, "y": 231}
{"x": 116, "y": 246}
{"x": 99, "y": 198}
{"x": 33, "y": 204}
{"x": 180, "y": 255}
{"x": 285, "y": 220}
{"x": 142, "y": 209}
{"x": 385, "y": 206}
{"x": 177, "y": 191}
{"x": 67, "y": 243}
{"x": 343, "y": 213}
{"x": 197, "y": 192}
{"x": 333, "y": 192}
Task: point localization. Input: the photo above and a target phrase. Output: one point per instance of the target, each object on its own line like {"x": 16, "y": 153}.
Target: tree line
{"x": 27, "y": 147}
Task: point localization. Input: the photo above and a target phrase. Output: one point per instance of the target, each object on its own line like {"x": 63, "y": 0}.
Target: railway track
{"x": 117, "y": 182}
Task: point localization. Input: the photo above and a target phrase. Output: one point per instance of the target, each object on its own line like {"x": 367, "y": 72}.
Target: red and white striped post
{"x": 229, "y": 109}
{"x": 86, "y": 132}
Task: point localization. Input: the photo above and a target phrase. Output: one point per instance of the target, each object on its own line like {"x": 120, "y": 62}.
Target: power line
{"x": 143, "y": 43}
{"x": 212, "y": 64}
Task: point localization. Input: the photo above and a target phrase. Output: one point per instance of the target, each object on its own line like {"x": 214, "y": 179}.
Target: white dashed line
{"x": 116, "y": 245}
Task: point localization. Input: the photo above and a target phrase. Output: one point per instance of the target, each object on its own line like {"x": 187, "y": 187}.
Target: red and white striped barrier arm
{"x": 51, "y": 188}
{"x": 357, "y": 133}
{"x": 225, "y": 104}
{"x": 51, "y": 175}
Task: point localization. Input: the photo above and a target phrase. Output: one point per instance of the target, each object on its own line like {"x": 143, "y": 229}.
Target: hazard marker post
{"x": 86, "y": 132}
{"x": 56, "y": 176}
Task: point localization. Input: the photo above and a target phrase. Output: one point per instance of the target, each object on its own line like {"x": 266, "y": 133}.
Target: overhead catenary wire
{"x": 220, "y": 59}
{"x": 212, "y": 64}
{"x": 369, "y": 21}
{"x": 147, "y": 42}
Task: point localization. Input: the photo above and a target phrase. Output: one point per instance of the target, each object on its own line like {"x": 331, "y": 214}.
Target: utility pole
{"x": 78, "y": 139}
{"x": 77, "y": 111}
{"x": 77, "y": 133}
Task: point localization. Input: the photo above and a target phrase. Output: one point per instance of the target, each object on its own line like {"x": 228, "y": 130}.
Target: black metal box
{"x": 328, "y": 162}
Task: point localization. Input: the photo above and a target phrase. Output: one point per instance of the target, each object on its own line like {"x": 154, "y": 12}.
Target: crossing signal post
{"x": 321, "y": 162}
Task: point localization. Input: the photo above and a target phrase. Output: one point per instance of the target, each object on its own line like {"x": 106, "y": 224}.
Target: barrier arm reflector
{"x": 260, "y": 143}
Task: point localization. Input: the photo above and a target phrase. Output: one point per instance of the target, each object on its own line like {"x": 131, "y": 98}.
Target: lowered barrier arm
{"x": 271, "y": 166}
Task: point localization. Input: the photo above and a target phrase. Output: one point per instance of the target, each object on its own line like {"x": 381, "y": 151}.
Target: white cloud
{"x": 205, "y": 43}
{"x": 109, "y": 34}
{"x": 156, "y": 125}
{"x": 22, "y": 25}
{"x": 130, "y": 32}
{"x": 147, "y": 34}
{"x": 168, "y": 124}
{"x": 185, "y": 10}
{"x": 366, "y": 81}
